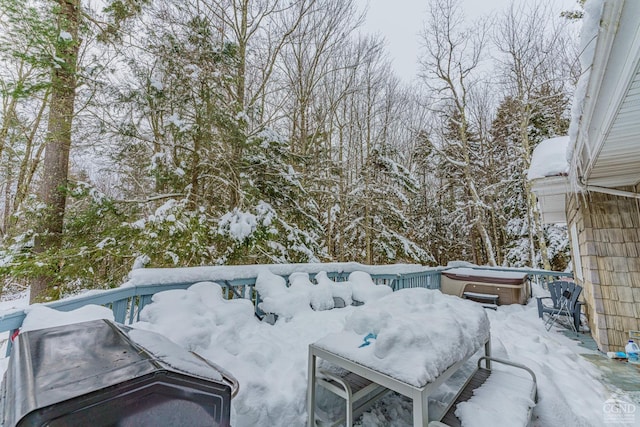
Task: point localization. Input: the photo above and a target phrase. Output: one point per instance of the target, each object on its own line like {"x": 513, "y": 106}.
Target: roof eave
{"x": 588, "y": 146}
{"x": 551, "y": 192}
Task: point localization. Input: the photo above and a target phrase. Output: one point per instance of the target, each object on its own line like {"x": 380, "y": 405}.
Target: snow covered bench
{"x": 517, "y": 386}
{"x": 413, "y": 342}
{"x": 361, "y": 385}
{"x": 487, "y": 300}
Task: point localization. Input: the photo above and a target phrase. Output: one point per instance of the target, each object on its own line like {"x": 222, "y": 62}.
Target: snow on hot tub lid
{"x": 487, "y": 275}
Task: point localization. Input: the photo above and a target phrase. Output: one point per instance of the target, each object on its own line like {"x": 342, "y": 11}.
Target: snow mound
{"x": 481, "y": 410}
{"x": 277, "y": 298}
{"x": 302, "y": 295}
{"x": 340, "y": 290}
{"x": 364, "y": 289}
{"x": 269, "y": 361}
{"x": 403, "y": 347}
{"x": 320, "y": 295}
{"x": 40, "y": 316}
{"x": 189, "y": 316}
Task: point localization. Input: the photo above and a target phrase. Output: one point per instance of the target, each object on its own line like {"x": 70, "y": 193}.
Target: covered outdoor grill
{"x": 510, "y": 287}
{"x": 99, "y": 373}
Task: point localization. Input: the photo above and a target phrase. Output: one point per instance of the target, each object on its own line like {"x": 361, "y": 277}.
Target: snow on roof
{"x": 549, "y": 158}
{"x": 588, "y": 36}
{"x": 419, "y": 334}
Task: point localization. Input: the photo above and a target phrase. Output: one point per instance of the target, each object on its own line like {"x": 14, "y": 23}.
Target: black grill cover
{"x": 95, "y": 374}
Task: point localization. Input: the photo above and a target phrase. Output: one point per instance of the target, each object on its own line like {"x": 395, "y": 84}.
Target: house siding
{"x": 608, "y": 230}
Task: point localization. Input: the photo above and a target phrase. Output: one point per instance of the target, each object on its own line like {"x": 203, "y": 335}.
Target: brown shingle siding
{"x": 632, "y": 249}
{"x": 609, "y": 242}
{"x": 634, "y": 265}
{"x": 619, "y": 262}
{"x": 629, "y": 220}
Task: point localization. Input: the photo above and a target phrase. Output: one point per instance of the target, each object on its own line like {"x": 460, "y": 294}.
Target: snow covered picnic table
{"x": 410, "y": 342}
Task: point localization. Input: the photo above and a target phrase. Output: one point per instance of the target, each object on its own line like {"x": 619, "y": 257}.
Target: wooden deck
{"x": 476, "y": 381}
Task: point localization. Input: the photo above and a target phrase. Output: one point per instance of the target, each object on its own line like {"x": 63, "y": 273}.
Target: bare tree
{"x": 259, "y": 30}
{"x": 318, "y": 67}
{"x": 450, "y": 65}
{"x": 24, "y": 98}
{"x": 322, "y": 34}
{"x": 535, "y": 66}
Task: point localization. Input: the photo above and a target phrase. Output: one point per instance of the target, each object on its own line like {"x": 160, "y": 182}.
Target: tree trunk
{"x": 4, "y": 229}
{"x": 27, "y": 165}
{"x": 239, "y": 139}
{"x": 539, "y": 230}
{"x": 477, "y": 203}
{"x": 56, "y": 158}
{"x": 536, "y": 230}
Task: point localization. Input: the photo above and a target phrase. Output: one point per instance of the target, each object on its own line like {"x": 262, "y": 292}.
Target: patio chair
{"x": 564, "y": 298}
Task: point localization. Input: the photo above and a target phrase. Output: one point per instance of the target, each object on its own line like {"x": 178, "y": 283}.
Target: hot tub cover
{"x": 487, "y": 276}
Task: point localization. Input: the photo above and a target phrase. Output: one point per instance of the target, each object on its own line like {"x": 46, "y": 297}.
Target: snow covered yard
{"x": 270, "y": 361}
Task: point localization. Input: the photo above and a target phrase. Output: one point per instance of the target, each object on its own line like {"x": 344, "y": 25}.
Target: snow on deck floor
{"x": 270, "y": 362}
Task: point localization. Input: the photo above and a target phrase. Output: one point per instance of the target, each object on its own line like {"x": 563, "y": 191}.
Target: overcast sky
{"x": 400, "y": 22}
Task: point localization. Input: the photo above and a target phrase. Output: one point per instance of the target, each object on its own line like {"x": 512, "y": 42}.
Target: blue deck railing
{"x": 127, "y": 302}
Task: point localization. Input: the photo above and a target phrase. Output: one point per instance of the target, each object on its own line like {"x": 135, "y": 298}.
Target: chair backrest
{"x": 557, "y": 289}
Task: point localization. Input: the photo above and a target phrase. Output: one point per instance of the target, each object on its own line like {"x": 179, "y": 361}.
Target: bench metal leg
{"x": 421, "y": 410}
{"x": 418, "y": 416}
{"x": 311, "y": 391}
{"x": 487, "y": 352}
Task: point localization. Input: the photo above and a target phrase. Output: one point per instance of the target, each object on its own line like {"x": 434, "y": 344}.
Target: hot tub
{"x": 511, "y": 287}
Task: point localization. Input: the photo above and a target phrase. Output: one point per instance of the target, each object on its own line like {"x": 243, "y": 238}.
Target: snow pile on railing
{"x": 159, "y": 276}
{"x": 303, "y": 295}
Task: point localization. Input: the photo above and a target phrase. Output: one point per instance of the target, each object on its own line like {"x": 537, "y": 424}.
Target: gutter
{"x": 612, "y": 191}
{"x": 605, "y": 190}
{"x": 609, "y": 22}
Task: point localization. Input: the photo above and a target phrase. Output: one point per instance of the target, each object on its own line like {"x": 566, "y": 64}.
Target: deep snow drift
{"x": 270, "y": 361}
